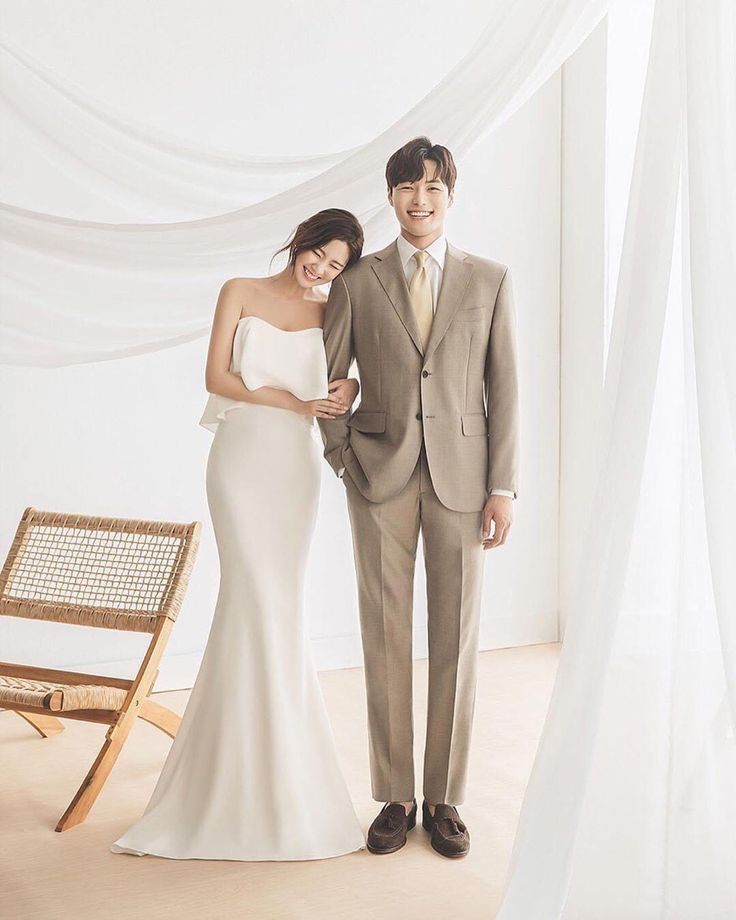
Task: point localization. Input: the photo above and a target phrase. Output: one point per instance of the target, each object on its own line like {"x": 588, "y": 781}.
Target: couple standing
{"x": 433, "y": 446}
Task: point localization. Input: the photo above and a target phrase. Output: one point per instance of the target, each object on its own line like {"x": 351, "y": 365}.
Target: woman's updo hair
{"x": 319, "y": 229}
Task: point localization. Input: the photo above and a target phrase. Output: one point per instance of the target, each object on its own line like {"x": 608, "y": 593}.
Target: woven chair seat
{"x": 59, "y": 697}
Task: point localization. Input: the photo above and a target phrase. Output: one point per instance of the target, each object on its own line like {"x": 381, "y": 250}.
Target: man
{"x": 433, "y": 446}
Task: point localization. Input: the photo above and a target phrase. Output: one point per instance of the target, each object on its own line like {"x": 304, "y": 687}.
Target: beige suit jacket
{"x": 460, "y": 395}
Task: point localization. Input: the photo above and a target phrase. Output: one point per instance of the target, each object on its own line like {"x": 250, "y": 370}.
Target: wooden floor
{"x": 50, "y": 876}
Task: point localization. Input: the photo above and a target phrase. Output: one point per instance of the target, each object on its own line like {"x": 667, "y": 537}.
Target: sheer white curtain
{"x": 75, "y": 291}
{"x": 128, "y": 163}
{"x": 631, "y": 808}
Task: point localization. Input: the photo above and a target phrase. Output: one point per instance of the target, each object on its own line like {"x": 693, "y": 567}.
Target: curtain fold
{"x": 631, "y": 807}
{"x": 112, "y": 290}
{"x": 114, "y": 157}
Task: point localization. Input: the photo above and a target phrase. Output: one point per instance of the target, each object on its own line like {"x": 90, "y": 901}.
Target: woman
{"x": 253, "y": 773}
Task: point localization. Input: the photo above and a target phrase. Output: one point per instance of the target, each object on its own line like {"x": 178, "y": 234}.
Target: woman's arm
{"x": 219, "y": 379}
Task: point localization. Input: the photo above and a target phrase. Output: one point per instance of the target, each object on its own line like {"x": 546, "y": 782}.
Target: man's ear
{"x": 450, "y": 199}
{"x": 391, "y": 197}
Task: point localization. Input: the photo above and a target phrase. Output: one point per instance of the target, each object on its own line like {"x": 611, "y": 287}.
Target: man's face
{"x": 421, "y": 206}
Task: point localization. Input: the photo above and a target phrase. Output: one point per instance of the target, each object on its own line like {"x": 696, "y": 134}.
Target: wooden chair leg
{"x": 161, "y": 717}
{"x": 44, "y": 725}
{"x": 95, "y": 779}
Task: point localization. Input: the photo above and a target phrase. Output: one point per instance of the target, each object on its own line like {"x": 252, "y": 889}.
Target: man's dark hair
{"x": 407, "y": 163}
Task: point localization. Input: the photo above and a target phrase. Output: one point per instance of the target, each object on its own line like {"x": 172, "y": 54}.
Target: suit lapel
{"x": 455, "y": 277}
{"x": 387, "y": 266}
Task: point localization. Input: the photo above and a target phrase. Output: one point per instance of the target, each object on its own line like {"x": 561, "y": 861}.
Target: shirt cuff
{"x": 503, "y": 492}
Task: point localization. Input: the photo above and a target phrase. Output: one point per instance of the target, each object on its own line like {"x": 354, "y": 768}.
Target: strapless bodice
{"x": 265, "y": 355}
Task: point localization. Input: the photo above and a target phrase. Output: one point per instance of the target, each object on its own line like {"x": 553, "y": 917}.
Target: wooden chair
{"x": 112, "y": 573}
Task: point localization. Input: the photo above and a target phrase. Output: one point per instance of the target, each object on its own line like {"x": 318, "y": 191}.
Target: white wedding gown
{"x": 253, "y": 772}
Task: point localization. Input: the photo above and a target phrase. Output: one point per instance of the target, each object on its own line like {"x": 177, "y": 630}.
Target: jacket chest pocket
{"x": 470, "y": 315}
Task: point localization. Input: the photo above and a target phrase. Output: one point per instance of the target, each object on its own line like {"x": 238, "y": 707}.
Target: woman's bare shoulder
{"x": 236, "y": 285}
{"x": 243, "y": 291}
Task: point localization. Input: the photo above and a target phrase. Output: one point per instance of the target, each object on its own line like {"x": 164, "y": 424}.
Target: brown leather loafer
{"x": 450, "y": 837}
{"x": 388, "y": 832}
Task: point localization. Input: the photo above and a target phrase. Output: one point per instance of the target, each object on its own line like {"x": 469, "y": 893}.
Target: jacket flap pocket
{"x": 474, "y": 423}
{"x": 372, "y": 422}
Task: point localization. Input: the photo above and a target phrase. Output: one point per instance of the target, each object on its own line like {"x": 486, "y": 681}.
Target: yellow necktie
{"x": 420, "y": 294}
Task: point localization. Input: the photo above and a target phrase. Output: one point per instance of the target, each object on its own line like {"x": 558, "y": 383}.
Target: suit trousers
{"x": 385, "y": 538}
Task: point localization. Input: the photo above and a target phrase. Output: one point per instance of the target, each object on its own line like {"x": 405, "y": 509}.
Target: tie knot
{"x": 420, "y": 257}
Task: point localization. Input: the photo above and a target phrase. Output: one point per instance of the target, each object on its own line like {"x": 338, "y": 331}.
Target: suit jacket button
{"x": 419, "y": 416}
{"x": 425, "y": 373}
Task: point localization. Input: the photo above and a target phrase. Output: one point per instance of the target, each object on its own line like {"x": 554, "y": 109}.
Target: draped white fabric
{"x": 126, "y": 163}
{"x": 76, "y": 291}
{"x": 631, "y": 808}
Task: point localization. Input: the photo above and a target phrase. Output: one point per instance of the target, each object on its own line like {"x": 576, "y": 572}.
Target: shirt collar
{"x": 437, "y": 250}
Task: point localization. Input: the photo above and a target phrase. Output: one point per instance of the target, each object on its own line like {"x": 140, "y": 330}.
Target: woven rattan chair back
{"x": 115, "y": 573}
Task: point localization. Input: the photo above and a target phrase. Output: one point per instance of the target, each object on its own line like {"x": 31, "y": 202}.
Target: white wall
{"x": 121, "y": 437}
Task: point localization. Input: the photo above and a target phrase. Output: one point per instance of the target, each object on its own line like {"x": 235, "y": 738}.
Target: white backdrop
{"x": 120, "y": 437}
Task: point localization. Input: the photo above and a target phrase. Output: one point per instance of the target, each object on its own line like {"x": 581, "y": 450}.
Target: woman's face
{"x": 313, "y": 267}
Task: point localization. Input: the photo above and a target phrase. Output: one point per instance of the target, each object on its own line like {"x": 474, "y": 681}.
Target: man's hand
{"x": 497, "y": 509}
{"x": 345, "y": 389}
